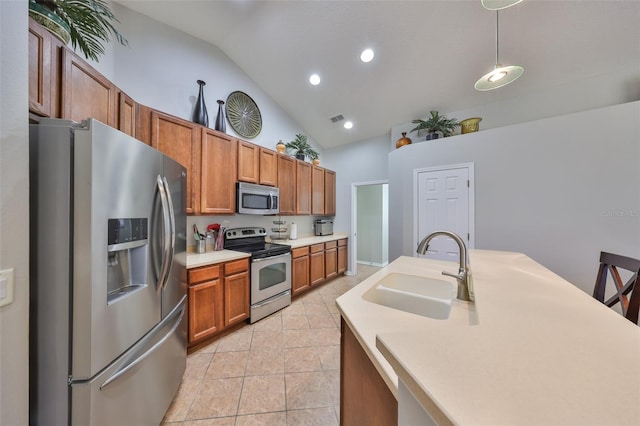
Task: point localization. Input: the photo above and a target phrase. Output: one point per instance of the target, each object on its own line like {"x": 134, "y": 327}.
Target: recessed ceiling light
{"x": 314, "y": 79}
{"x": 367, "y": 55}
{"x": 348, "y": 125}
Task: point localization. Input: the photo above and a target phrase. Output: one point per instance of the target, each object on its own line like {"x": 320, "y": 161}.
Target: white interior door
{"x": 443, "y": 203}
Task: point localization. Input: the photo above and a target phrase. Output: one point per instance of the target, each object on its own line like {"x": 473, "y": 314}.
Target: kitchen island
{"x": 533, "y": 348}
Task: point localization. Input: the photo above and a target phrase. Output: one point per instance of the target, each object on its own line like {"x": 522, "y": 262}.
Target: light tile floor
{"x": 282, "y": 370}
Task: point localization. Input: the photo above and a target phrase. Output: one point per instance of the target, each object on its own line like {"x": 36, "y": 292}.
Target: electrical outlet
{"x": 6, "y": 287}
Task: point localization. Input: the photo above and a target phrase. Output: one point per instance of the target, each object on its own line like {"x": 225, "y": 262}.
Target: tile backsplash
{"x": 305, "y": 223}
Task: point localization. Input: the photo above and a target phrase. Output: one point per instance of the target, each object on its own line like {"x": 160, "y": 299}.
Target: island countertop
{"x": 533, "y": 349}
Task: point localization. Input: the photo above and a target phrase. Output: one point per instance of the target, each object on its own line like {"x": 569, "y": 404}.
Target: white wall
{"x": 160, "y": 68}
{"x": 617, "y": 87}
{"x": 14, "y": 211}
{"x": 559, "y": 189}
{"x": 360, "y": 162}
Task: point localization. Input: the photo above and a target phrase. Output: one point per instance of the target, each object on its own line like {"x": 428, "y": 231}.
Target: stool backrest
{"x": 610, "y": 263}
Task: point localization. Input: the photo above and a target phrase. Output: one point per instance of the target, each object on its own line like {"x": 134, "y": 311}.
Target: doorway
{"x": 369, "y": 244}
{"x": 444, "y": 200}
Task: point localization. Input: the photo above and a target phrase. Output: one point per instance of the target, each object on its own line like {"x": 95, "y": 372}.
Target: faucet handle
{"x": 456, "y": 276}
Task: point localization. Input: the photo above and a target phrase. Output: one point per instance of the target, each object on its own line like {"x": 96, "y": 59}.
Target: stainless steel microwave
{"x": 257, "y": 199}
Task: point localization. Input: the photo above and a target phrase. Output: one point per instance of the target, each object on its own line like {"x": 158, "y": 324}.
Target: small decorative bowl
{"x": 470, "y": 125}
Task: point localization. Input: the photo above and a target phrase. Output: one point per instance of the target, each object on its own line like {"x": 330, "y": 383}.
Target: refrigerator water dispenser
{"x": 127, "y": 254}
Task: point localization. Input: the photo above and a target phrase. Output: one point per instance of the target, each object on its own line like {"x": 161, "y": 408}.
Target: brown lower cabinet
{"x": 330, "y": 259}
{"x": 314, "y": 264}
{"x": 205, "y": 302}
{"x": 236, "y": 292}
{"x": 300, "y": 270}
{"x": 218, "y": 298}
{"x": 342, "y": 256}
{"x": 365, "y": 398}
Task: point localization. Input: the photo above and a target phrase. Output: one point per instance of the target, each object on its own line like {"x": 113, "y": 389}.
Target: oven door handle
{"x": 262, "y": 259}
{"x": 270, "y": 300}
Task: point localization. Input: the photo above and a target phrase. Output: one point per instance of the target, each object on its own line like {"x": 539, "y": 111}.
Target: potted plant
{"x": 301, "y": 147}
{"x": 315, "y": 158}
{"x": 87, "y": 23}
{"x": 436, "y": 123}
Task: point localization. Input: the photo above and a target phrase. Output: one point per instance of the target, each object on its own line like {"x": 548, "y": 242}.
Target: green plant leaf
{"x": 300, "y": 146}
{"x": 91, "y": 24}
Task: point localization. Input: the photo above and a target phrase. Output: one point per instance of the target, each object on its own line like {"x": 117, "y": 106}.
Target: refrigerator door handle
{"x": 167, "y": 231}
{"x": 146, "y": 353}
{"x": 172, "y": 224}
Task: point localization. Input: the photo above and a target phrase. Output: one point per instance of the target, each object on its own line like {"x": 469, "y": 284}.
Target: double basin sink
{"x": 428, "y": 297}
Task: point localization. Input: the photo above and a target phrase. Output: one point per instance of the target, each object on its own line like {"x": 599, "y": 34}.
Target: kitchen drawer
{"x": 236, "y": 266}
{"x": 330, "y": 245}
{"x": 317, "y": 248}
{"x": 299, "y": 252}
{"x": 342, "y": 243}
{"x": 206, "y": 273}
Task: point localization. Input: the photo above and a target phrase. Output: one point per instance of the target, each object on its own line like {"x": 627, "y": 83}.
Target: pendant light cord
{"x": 497, "y": 40}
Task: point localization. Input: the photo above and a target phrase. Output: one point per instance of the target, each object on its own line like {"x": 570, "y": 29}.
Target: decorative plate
{"x": 243, "y": 115}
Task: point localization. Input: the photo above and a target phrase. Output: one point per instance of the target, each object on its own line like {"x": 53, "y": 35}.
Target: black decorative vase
{"x": 433, "y": 135}
{"x": 220, "y": 123}
{"x": 300, "y": 156}
{"x": 200, "y": 115}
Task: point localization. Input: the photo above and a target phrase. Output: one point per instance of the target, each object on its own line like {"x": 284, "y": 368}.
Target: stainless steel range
{"x": 270, "y": 270}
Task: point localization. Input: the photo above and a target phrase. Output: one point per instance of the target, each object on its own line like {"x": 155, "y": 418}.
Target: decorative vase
{"x": 432, "y": 135}
{"x": 316, "y": 162}
{"x": 281, "y": 147}
{"x": 404, "y": 140}
{"x": 300, "y": 156}
{"x": 470, "y": 125}
{"x": 220, "y": 123}
{"x": 200, "y": 115}
{"x": 49, "y": 19}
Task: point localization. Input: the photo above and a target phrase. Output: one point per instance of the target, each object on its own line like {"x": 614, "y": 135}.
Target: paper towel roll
{"x": 293, "y": 232}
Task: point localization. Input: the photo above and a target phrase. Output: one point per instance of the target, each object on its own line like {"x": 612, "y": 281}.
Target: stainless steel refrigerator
{"x": 108, "y": 279}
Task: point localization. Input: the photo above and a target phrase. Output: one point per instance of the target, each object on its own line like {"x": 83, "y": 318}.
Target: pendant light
{"x": 500, "y": 75}
{"x": 499, "y": 4}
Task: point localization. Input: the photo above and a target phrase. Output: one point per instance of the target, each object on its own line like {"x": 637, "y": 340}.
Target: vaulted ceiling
{"x": 428, "y": 54}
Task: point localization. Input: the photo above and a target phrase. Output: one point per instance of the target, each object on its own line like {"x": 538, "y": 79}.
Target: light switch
{"x": 6, "y": 287}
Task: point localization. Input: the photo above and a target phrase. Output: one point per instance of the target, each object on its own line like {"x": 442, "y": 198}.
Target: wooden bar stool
{"x": 610, "y": 263}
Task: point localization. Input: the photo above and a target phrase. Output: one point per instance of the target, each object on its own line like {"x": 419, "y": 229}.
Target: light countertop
{"x": 211, "y": 257}
{"x": 195, "y": 260}
{"x": 533, "y": 348}
{"x": 311, "y": 239}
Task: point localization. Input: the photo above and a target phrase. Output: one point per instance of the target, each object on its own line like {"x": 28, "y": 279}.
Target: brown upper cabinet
{"x": 256, "y": 164}
{"x": 317, "y": 190}
{"x": 218, "y": 171}
{"x": 180, "y": 140}
{"x": 45, "y": 52}
{"x": 329, "y": 192}
{"x": 127, "y": 112}
{"x": 40, "y": 67}
{"x": 248, "y": 162}
{"x": 303, "y": 187}
{"x": 63, "y": 85}
{"x": 268, "y": 167}
{"x": 287, "y": 184}
{"x": 86, "y": 92}
{"x": 143, "y": 123}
